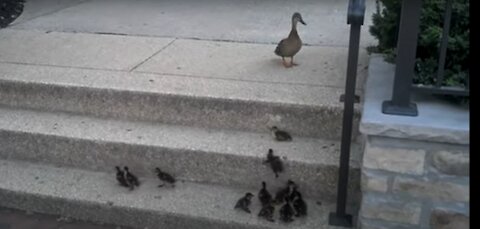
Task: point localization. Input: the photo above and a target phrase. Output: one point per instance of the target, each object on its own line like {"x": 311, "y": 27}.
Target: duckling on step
{"x": 284, "y": 192}
{"x": 299, "y": 205}
{"x": 294, "y": 193}
{"x": 286, "y": 211}
{"x": 263, "y": 195}
{"x": 121, "y": 177}
{"x": 244, "y": 202}
{"x": 131, "y": 179}
{"x": 165, "y": 177}
{"x": 275, "y": 162}
{"x": 267, "y": 212}
{"x": 280, "y": 135}
{"x": 290, "y": 46}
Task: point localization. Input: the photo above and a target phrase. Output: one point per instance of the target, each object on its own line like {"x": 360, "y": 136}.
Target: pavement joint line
{"x": 180, "y": 37}
{"x": 48, "y": 13}
{"x": 61, "y": 66}
{"x": 150, "y": 57}
{"x": 180, "y": 75}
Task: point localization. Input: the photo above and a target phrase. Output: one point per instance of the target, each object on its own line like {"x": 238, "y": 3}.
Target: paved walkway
{"x": 253, "y": 21}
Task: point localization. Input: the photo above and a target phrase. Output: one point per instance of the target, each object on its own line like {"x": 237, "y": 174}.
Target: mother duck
{"x": 290, "y": 46}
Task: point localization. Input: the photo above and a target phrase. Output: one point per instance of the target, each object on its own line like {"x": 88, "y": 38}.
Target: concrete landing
{"x": 253, "y": 21}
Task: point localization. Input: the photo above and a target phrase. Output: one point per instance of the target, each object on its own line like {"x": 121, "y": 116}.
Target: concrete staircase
{"x": 74, "y": 105}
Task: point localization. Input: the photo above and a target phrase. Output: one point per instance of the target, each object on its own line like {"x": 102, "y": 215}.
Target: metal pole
{"x": 340, "y": 217}
{"x": 405, "y": 61}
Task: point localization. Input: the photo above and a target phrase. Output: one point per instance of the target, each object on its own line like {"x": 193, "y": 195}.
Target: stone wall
{"x": 414, "y": 184}
{"x": 415, "y": 170}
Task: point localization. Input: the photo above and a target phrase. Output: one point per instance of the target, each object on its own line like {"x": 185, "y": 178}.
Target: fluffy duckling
{"x": 263, "y": 195}
{"x": 280, "y": 135}
{"x": 165, "y": 177}
{"x": 121, "y": 177}
{"x": 299, "y": 205}
{"x": 131, "y": 179}
{"x": 244, "y": 202}
{"x": 286, "y": 211}
{"x": 275, "y": 162}
{"x": 267, "y": 212}
{"x": 284, "y": 192}
{"x": 294, "y": 192}
{"x": 290, "y": 46}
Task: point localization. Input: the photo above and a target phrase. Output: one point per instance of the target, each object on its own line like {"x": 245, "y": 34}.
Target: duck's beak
{"x": 301, "y": 21}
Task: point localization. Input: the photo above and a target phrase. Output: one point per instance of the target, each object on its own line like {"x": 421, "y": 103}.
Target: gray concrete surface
{"x": 18, "y": 219}
{"x": 210, "y": 84}
{"x": 320, "y": 66}
{"x": 96, "y": 196}
{"x": 77, "y": 50}
{"x": 37, "y": 8}
{"x": 437, "y": 120}
{"x": 222, "y": 157}
{"x": 265, "y": 21}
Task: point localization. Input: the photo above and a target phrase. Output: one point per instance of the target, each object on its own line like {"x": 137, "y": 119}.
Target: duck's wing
{"x": 278, "y": 49}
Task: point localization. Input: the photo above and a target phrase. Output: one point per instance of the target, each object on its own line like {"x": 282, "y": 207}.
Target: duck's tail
{"x": 277, "y": 50}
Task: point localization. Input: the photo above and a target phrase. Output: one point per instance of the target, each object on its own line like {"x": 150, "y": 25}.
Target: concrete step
{"x": 177, "y": 81}
{"x": 95, "y": 196}
{"x": 310, "y": 111}
{"x": 230, "y": 158}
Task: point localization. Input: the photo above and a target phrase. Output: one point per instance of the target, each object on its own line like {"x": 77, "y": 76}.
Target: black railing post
{"x": 356, "y": 11}
{"x": 405, "y": 60}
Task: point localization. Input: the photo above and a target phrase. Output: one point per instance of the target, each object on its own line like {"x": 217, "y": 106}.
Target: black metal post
{"x": 405, "y": 61}
{"x": 355, "y": 18}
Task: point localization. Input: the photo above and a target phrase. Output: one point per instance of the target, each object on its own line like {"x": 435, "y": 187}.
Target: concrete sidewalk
{"x": 318, "y": 66}
{"x": 253, "y": 21}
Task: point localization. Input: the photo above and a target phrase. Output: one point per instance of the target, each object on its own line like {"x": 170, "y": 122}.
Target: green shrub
{"x": 385, "y": 28}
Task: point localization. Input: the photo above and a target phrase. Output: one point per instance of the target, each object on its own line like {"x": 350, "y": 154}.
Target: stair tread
{"x": 178, "y": 85}
{"x": 247, "y": 144}
{"x": 40, "y": 184}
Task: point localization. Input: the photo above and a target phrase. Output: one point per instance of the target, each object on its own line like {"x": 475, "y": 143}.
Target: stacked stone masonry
{"x": 415, "y": 169}
{"x": 414, "y": 184}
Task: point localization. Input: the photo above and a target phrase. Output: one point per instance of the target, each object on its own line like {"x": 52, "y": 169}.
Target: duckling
{"x": 286, "y": 211}
{"x": 121, "y": 177}
{"x": 267, "y": 212}
{"x": 263, "y": 195}
{"x": 131, "y": 179}
{"x": 299, "y": 205}
{"x": 294, "y": 192}
{"x": 284, "y": 192}
{"x": 275, "y": 162}
{"x": 290, "y": 46}
{"x": 280, "y": 135}
{"x": 244, "y": 202}
{"x": 165, "y": 177}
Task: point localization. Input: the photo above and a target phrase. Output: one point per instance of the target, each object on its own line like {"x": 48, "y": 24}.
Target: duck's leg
{"x": 293, "y": 64}
{"x": 285, "y": 63}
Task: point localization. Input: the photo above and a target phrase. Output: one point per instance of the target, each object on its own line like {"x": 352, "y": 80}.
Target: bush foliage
{"x": 385, "y": 28}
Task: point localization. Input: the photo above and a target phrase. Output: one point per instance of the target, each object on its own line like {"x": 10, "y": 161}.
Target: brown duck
{"x": 290, "y": 46}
